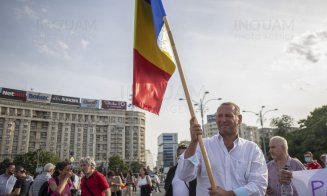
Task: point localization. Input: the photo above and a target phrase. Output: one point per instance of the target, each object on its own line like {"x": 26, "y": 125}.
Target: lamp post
{"x": 261, "y": 115}
{"x": 201, "y": 105}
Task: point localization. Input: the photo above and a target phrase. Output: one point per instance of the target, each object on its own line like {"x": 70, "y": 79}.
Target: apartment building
{"x": 69, "y": 128}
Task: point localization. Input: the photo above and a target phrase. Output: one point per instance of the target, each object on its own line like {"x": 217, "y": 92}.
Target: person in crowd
{"x": 174, "y": 185}
{"x": 278, "y": 149}
{"x": 48, "y": 170}
{"x": 29, "y": 177}
{"x": 93, "y": 183}
{"x": 310, "y": 163}
{"x": 22, "y": 184}
{"x": 80, "y": 175}
{"x": 238, "y": 165}
{"x": 130, "y": 180}
{"x": 144, "y": 183}
{"x": 156, "y": 183}
{"x": 115, "y": 183}
{"x": 8, "y": 179}
{"x": 60, "y": 183}
{"x": 323, "y": 159}
{"x": 75, "y": 185}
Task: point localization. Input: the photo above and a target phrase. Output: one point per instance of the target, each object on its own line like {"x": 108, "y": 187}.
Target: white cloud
{"x": 59, "y": 50}
{"x": 62, "y": 45}
{"x": 311, "y": 45}
{"x": 84, "y": 44}
{"x": 298, "y": 84}
{"x": 26, "y": 11}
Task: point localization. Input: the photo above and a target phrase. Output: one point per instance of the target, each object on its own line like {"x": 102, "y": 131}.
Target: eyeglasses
{"x": 84, "y": 165}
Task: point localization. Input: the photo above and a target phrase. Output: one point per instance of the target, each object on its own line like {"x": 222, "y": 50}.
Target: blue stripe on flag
{"x": 158, "y": 12}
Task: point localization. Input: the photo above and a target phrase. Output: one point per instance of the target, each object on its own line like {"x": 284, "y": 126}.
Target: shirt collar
{"x": 236, "y": 142}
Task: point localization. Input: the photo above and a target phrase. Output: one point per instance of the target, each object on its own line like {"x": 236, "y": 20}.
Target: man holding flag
{"x": 241, "y": 167}
{"x": 238, "y": 165}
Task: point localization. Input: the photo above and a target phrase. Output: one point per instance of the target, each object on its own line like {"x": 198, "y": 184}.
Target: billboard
{"x": 65, "y": 100}
{"x": 90, "y": 103}
{"x": 38, "y": 97}
{"x": 119, "y": 105}
{"x": 12, "y": 94}
{"x": 211, "y": 118}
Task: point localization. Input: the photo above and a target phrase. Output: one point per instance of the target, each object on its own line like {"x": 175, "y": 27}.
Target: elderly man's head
{"x": 49, "y": 167}
{"x": 278, "y": 147}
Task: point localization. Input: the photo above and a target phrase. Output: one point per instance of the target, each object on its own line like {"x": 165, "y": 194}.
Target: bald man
{"x": 278, "y": 149}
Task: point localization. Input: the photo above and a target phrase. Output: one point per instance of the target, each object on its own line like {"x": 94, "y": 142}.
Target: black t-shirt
{"x": 23, "y": 184}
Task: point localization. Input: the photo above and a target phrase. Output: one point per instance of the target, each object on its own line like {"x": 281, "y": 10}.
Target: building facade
{"x": 149, "y": 159}
{"x": 167, "y": 147}
{"x": 70, "y": 131}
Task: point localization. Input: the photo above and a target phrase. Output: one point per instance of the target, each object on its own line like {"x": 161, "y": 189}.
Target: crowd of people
{"x": 238, "y": 165}
{"x": 60, "y": 180}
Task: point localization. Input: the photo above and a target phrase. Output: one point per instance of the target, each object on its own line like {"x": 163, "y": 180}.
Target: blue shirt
{"x": 6, "y": 184}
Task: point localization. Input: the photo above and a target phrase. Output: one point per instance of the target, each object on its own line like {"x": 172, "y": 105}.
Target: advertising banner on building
{"x": 118, "y": 105}
{"x": 65, "y": 100}
{"x": 38, "y": 97}
{"x": 211, "y": 118}
{"x": 90, "y": 103}
{"x": 12, "y": 94}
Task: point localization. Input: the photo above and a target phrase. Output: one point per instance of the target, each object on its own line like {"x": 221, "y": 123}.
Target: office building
{"x": 69, "y": 127}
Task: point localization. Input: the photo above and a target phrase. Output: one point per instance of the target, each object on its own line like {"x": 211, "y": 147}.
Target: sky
{"x": 254, "y": 53}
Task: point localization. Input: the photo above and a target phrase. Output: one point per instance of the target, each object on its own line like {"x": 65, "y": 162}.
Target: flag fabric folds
{"x": 154, "y": 62}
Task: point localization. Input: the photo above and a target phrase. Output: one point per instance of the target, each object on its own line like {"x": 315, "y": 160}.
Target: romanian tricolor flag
{"x": 154, "y": 62}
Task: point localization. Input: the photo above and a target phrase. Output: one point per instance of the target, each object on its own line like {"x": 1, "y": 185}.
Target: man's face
{"x": 86, "y": 168}
{"x": 308, "y": 158}
{"x": 10, "y": 170}
{"x": 275, "y": 148}
{"x": 227, "y": 121}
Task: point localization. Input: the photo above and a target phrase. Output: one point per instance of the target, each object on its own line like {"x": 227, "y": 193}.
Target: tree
{"x": 282, "y": 124}
{"x": 136, "y": 166}
{"x": 30, "y": 160}
{"x": 117, "y": 164}
{"x": 312, "y": 137}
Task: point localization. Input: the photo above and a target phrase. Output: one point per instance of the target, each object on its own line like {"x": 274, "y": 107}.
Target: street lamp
{"x": 201, "y": 105}
{"x": 261, "y": 115}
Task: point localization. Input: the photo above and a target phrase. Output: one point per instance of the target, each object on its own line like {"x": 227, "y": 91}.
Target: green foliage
{"x": 136, "y": 166}
{"x": 116, "y": 164}
{"x": 29, "y": 160}
{"x": 3, "y": 165}
{"x": 282, "y": 124}
{"x": 311, "y": 137}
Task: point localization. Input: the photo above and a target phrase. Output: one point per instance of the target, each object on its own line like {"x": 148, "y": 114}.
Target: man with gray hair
{"x": 48, "y": 170}
{"x": 93, "y": 183}
{"x": 278, "y": 149}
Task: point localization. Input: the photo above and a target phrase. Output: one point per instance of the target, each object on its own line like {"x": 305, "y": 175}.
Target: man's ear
{"x": 240, "y": 119}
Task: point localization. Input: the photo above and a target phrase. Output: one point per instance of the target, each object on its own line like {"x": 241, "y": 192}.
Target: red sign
{"x": 13, "y": 94}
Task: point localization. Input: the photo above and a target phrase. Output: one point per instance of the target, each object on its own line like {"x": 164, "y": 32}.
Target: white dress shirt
{"x": 243, "y": 169}
{"x": 179, "y": 187}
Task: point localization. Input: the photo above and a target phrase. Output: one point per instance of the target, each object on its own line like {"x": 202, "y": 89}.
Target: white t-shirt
{"x": 179, "y": 187}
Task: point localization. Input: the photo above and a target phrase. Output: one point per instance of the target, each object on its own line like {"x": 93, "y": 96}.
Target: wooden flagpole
{"x": 190, "y": 105}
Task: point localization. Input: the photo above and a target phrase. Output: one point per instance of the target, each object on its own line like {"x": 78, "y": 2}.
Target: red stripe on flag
{"x": 149, "y": 84}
